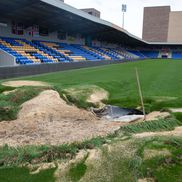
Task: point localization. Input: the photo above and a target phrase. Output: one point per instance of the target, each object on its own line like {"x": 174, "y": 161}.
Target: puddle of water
{"x": 115, "y": 113}
{"x": 127, "y": 118}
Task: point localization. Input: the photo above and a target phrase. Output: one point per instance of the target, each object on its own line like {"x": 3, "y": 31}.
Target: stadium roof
{"x": 56, "y": 15}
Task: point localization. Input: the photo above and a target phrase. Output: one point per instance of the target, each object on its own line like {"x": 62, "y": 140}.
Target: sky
{"x": 111, "y": 10}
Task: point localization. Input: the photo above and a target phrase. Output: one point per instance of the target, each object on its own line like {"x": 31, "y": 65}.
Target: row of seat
{"x": 70, "y": 52}
{"x": 37, "y": 52}
{"x": 177, "y": 55}
{"x": 26, "y": 52}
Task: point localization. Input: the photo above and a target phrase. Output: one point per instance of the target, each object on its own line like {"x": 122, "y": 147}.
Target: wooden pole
{"x": 140, "y": 93}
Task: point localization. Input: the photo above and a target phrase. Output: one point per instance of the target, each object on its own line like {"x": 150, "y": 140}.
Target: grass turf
{"x": 162, "y": 168}
{"x": 23, "y": 175}
{"x": 161, "y": 82}
{"x": 77, "y": 171}
{"x": 152, "y": 126}
{"x": 126, "y": 161}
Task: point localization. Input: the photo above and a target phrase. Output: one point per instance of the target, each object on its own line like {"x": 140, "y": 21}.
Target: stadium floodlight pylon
{"x": 124, "y": 8}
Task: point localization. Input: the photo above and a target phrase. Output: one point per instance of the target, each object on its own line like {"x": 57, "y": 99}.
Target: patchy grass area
{"x": 161, "y": 168}
{"x": 10, "y": 156}
{"x": 5, "y": 88}
{"x": 120, "y": 162}
{"x": 123, "y": 157}
{"x": 10, "y": 103}
{"x": 125, "y": 161}
{"x": 77, "y": 171}
{"x": 80, "y": 94}
{"x": 152, "y": 126}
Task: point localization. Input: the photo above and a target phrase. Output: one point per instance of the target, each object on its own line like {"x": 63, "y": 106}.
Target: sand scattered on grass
{"x": 176, "y": 132}
{"x": 151, "y": 153}
{"x": 98, "y": 96}
{"x": 64, "y": 167}
{"x": 176, "y": 109}
{"x": 21, "y": 83}
{"x": 9, "y": 92}
{"x": 41, "y": 167}
{"x": 157, "y": 115}
{"x": 94, "y": 155}
{"x": 146, "y": 180}
{"x": 48, "y": 119}
{"x": 91, "y": 94}
{"x": 163, "y": 98}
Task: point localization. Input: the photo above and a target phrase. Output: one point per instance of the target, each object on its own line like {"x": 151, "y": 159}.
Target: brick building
{"x": 160, "y": 24}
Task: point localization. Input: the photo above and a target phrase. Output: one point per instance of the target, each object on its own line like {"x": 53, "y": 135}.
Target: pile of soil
{"x": 48, "y": 119}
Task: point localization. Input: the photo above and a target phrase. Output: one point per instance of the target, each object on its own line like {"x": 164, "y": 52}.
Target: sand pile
{"x": 48, "y": 119}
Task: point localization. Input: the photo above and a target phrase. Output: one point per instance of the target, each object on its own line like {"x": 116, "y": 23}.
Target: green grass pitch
{"x": 161, "y": 82}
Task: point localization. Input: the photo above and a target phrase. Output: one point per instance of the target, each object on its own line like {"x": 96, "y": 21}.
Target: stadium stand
{"x": 95, "y": 51}
{"x": 37, "y": 52}
{"x": 88, "y": 54}
{"x": 18, "y": 49}
{"x": 150, "y": 54}
{"x": 25, "y": 52}
{"x": 71, "y": 52}
{"x": 177, "y": 54}
{"x": 71, "y": 36}
{"x": 125, "y": 53}
{"x": 137, "y": 53}
{"x": 109, "y": 53}
{"x": 165, "y": 53}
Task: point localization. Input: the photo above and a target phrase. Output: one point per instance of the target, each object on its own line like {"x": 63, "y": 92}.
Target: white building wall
{"x": 175, "y": 27}
{"x": 6, "y": 59}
